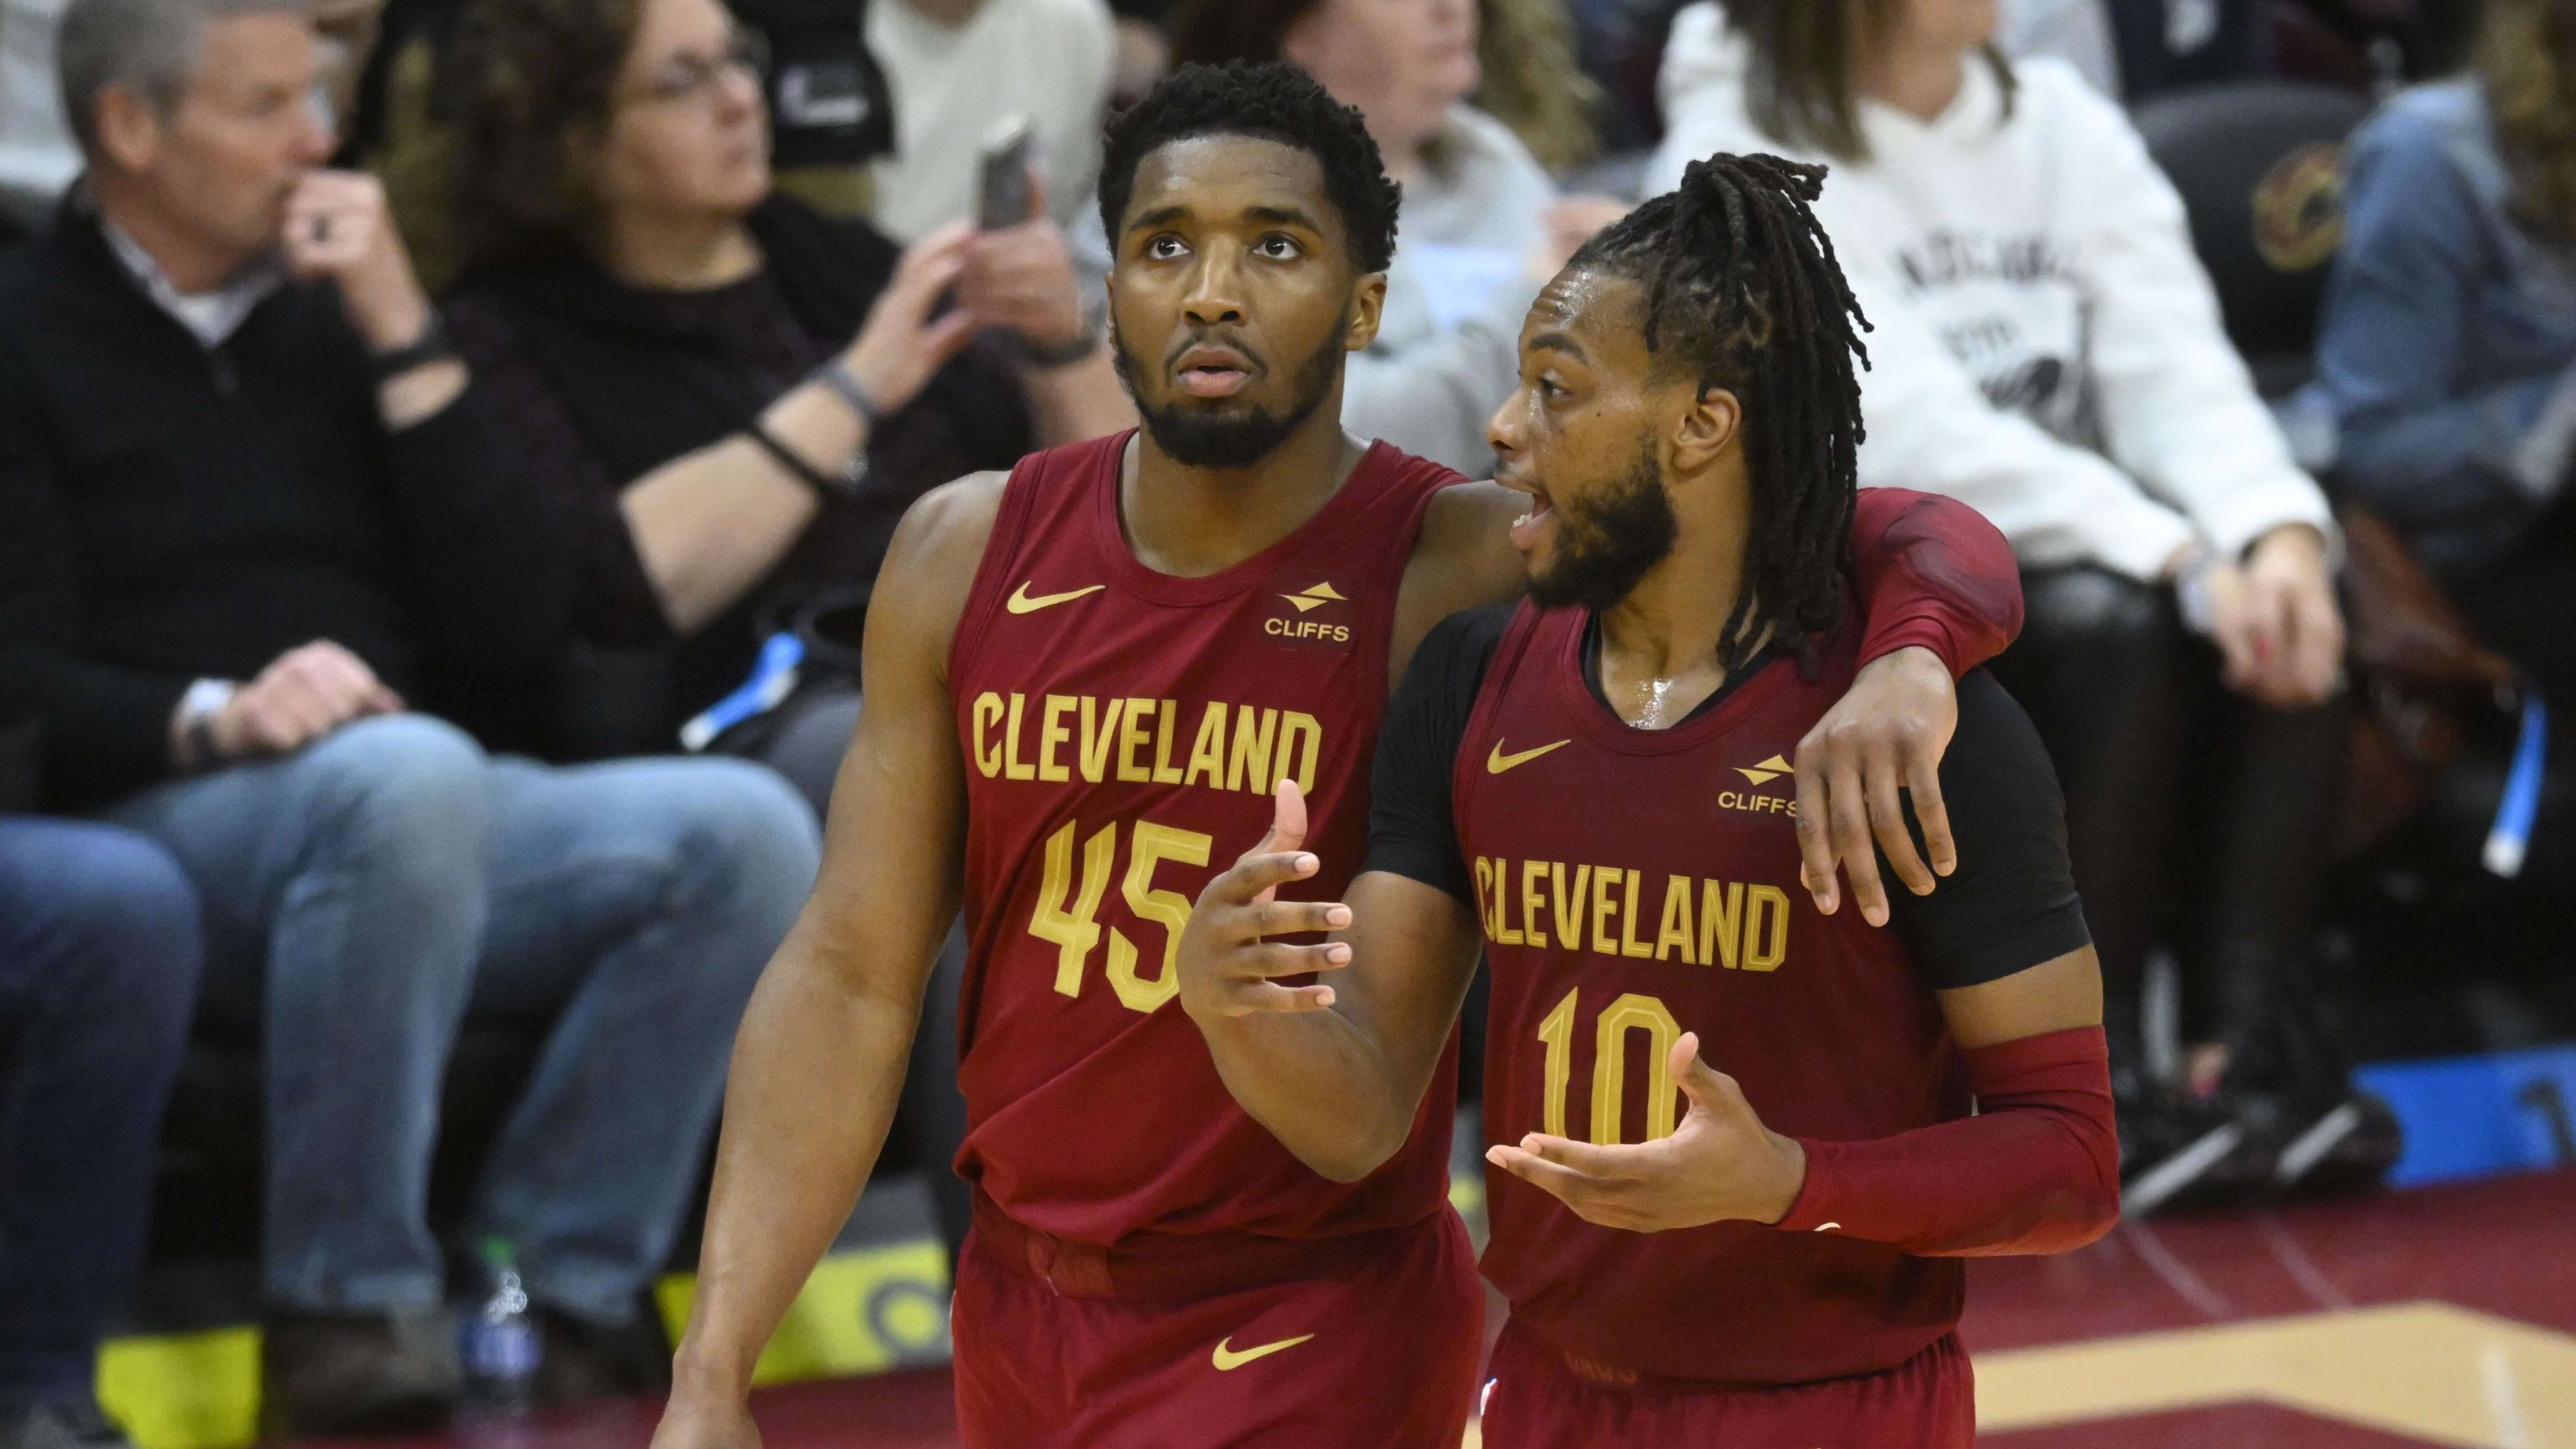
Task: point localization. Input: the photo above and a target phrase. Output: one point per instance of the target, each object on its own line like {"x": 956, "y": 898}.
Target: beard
{"x": 1198, "y": 439}
{"x": 1605, "y": 547}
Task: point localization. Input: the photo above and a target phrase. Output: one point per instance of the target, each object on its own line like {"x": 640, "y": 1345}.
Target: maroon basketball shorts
{"x": 1535, "y": 1402}
{"x": 1377, "y": 1349}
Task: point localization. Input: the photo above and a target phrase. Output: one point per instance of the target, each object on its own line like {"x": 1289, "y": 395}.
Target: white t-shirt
{"x": 1049, "y": 60}
{"x": 2046, "y": 348}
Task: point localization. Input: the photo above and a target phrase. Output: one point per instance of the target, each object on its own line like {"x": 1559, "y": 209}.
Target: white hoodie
{"x": 2046, "y": 348}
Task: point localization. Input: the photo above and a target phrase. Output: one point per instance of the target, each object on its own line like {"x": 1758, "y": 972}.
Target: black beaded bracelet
{"x": 825, "y": 484}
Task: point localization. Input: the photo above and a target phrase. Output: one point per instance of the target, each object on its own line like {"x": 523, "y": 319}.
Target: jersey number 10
{"x": 1068, "y": 915}
{"x": 1630, "y": 1012}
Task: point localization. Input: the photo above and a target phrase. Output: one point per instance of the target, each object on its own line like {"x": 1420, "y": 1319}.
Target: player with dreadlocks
{"x": 1587, "y": 789}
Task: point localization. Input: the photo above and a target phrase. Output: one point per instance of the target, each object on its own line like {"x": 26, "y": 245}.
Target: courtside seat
{"x": 2259, "y": 166}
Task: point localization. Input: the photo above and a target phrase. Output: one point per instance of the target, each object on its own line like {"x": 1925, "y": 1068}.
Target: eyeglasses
{"x": 686, "y": 76}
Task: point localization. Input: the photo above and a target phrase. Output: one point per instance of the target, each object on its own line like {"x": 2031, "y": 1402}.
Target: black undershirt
{"x": 2010, "y": 905}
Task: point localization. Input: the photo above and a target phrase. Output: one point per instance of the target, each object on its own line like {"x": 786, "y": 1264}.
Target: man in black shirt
{"x": 250, "y": 517}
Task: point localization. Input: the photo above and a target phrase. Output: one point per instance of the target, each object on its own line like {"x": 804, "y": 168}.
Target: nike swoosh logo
{"x": 1498, "y": 762}
{"x": 1227, "y": 1359}
{"x": 1020, "y": 603}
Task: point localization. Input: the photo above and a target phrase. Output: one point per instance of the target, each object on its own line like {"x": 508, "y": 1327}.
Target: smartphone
{"x": 1002, "y": 194}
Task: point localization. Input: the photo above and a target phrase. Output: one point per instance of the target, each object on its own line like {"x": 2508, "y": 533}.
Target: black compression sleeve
{"x": 1412, "y": 832}
{"x": 2011, "y": 904}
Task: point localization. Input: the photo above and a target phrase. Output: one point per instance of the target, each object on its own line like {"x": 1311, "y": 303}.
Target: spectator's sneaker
{"x": 2348, "y": 1147}
{"x": 2176, "y": 1151}
{"x": 61, "y": 1426}
{"x": 585, "y": 1361}
{"x": 325, "y": 1374}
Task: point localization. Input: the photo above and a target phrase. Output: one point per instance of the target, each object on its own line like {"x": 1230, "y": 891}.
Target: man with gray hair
{"x": 253, "y": 528}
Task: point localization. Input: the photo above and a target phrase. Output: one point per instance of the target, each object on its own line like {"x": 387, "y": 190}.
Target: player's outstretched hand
{"x": 692, "y": 1421}
{"x": 1720, "y": 1164}
{"x": 1225, "y": 964}
{"x": 1887, "y": 732}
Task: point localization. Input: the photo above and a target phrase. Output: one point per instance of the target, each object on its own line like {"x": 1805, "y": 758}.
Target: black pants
{"x": 2197, "y": 819}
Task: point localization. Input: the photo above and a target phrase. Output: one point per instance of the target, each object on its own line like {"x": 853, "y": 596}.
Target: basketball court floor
{"x": 2433, "y": 1316}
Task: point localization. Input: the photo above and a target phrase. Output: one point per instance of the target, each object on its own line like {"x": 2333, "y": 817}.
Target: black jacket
{"x": 169, "y": 513}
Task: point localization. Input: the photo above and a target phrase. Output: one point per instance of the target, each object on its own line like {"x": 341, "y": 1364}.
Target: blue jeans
{"x": 367, "y": 894}
{"x": 99, "y": 954}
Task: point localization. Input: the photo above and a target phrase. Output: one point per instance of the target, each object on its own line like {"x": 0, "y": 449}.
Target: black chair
{"x": 2259, "y": 166}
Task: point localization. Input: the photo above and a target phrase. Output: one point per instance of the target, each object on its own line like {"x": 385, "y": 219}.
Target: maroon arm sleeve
{"x": 2037, "y": 1170}
{"x": 1932, "y": 571}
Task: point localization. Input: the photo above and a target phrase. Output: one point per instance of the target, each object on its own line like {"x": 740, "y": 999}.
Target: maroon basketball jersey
{"x": 1638, "y": 884}
{"x": 1123, "y": 730}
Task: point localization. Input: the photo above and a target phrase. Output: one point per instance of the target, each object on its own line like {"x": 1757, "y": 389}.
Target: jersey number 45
{"x": 1067, "y": 914}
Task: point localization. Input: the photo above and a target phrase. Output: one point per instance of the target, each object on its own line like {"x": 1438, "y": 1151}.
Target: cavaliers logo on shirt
{"x": 1308, "y": 611}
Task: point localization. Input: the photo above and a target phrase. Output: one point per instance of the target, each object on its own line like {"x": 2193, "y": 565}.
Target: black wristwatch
{"x": 430, "y": 346}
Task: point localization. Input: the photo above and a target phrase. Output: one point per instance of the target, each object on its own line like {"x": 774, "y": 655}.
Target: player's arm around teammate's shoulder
{"x": 1336, "y": 1070}
{"x": 1942, "y": 595}
{"x": 821, "y": 1054}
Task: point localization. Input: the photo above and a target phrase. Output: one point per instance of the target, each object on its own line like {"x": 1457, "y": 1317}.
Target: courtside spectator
{"x": 2448, "y": 347}
{"x": 958, "y": 66}
{"x": 1482, "y": 224}
{"x": 671, "y": 351}
{"x": 253, "y": 517}
{"x": 99, "y": 951}
{"x": 2046, "y": 347}
{"x": 733, "y": 397}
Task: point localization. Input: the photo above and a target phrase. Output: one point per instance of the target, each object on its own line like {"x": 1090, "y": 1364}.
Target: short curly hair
{"x": 1272, "y": 101}
{"x": 521, "y": 83}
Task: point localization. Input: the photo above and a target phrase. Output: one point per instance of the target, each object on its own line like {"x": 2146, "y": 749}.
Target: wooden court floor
{"x": 2436, "y": 1316}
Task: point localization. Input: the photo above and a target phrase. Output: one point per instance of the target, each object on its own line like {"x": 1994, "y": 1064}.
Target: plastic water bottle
{"x": 500, "y": 1345}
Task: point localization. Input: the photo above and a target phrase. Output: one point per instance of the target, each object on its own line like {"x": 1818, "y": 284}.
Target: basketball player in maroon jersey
{"x": 1585, "y": 788}
{"x": 1081, "y": 677}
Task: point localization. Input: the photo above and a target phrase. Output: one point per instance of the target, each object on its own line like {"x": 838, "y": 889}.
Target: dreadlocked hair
{"x": 1743, "y": 289}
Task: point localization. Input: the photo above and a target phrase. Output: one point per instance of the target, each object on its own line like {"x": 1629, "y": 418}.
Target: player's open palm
{"x": 1719, "y": 1164}
{"x": 1226, "y": 966}
{"x": 706, "y": 1422}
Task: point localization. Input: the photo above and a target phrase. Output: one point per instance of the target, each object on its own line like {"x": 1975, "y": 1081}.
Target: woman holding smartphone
{"x": 734, "y": 396}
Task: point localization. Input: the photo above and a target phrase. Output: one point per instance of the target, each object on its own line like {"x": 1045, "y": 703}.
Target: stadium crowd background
{"x": 359, "y": 902}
